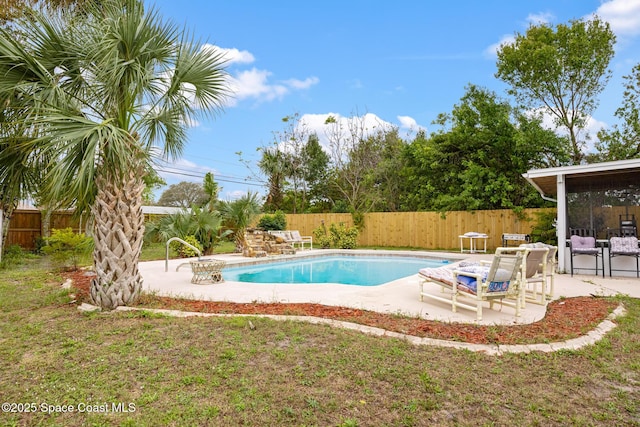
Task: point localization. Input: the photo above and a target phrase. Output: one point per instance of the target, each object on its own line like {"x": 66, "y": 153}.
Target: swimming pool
{"x": 346, "y": 270}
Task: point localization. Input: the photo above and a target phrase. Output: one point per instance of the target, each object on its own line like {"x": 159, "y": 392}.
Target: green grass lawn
{"x": 141, "y": 369}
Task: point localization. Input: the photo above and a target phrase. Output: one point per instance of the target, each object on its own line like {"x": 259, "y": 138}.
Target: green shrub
{"x": 322, "y": 237}
{"x": 13, "y": 256}
{"x": 66, "y": 247}
{"x": 275, "y": 221}
{"x": 344, "y": 237}
{"x": 545, "y": 229}
{"x": 185, "y": 251}
{"x": 339, "y": 236}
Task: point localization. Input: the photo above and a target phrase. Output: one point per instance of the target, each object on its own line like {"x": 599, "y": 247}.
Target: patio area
{"x": 396, "y": 297}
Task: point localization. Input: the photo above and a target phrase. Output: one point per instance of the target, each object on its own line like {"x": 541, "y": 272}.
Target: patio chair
{"x": 294, "y": 238}
{"x": 476, "y": 284}
{"x": 624, "y": 246}
{"x": 539, "y": 269}
{"x": 628, "y": 226}
{"x": 583, "y": 242}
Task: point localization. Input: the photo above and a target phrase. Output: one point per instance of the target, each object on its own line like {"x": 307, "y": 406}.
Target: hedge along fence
{"x": 429, "y": 230}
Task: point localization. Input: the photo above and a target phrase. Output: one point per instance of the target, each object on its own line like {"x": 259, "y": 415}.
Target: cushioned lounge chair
{"x": 470, "y": 286}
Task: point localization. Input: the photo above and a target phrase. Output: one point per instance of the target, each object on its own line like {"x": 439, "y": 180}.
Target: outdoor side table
{"x": 207, "y": 270}
{"x": 473, "y": 244}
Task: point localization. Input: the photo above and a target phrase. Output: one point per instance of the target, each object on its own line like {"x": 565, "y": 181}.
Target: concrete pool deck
{"x": 396, "y": 297}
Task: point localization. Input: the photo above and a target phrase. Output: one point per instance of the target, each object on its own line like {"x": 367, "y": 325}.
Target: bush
{"x": 275, "y": 221}
{"x": 322, "y": 238}
{"x": 339, "y": 236}
{"x": 66, "y": 247}
{"x": 185, "y": 251}
{"x": 13, "y": 256}
{"x": 545, "y": 229}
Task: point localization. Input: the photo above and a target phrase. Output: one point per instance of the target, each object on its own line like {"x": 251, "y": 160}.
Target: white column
{"x": 561, "y": 229}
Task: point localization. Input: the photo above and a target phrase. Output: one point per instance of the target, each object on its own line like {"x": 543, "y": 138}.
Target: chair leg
{"x": 571, "y": 265}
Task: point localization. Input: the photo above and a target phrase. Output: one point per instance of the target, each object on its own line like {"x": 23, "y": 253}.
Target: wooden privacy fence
{"x": 424, "y": 229}
{"x": 25, "y": 227}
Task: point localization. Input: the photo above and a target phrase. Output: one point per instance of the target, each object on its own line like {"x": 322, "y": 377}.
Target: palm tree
{"x": 275, "y": 166}
{"x": 105, "y": 90}
{"x": 239, "y": 214}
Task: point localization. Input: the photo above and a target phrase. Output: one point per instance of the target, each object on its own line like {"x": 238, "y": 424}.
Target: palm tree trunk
{"x": 118, "y": 235}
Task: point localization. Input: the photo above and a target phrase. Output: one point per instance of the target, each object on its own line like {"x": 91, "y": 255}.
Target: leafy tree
{"x": 561, "y": 70}
{"x": 152, "y": 181}
{"x": 183, "y": 195}
{"x": 13, "y": 9}
{"x": 355, "y": 152}
{"x": 623, "y": 142}
{"x": 476, "y": 161}
{"x": 316, "y": 173}
{"x": 239, "y": 214}
{"x": 291, "y": 142}
{"x": 100, "y": 91}
{"x": 387, "y": 181}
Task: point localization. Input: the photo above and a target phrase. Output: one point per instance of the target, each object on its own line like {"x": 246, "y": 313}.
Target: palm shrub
{"x": 103, "y": 88}
{"x": 239, "y": 214}
{"x": 197, "y": 224}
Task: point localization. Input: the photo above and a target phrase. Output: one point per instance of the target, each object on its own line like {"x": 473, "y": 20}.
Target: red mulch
{"x": 565, "y": 319}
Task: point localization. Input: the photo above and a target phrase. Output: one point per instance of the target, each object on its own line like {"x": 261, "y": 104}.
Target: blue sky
{"x": 401, "y": 62}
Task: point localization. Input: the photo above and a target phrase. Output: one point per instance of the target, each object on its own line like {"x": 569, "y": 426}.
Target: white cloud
{"x": 540, "y": 18}
{"x": 235, "y": 195}
{"x": 231, "y": 55}
{"x": 492, "y": 50}
{"x": 410, "y": 124}
{"x": 622, "y": 15}
{"x": 316, "y": 123}
{"x": 302, "y": 84}
{"x": 255, "y": 84}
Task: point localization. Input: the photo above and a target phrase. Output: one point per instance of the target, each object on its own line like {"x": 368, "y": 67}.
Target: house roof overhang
{"x": 581, "y": 178}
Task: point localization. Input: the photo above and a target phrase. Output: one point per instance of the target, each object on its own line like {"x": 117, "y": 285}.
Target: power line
{"x": 201, "y": 175}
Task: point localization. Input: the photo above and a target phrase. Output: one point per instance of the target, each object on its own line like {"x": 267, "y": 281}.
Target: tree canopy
{"x": 623, "y": 142}
{"x": 476, "y": 160}
{"x": 560, "y": 70}
{"x": 184, "y": 195}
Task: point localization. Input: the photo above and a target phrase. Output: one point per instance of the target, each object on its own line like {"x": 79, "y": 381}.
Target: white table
{"x": 473, "y": 242}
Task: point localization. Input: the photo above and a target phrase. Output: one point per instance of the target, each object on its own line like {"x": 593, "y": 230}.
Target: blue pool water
{"x": 347, "y": 270}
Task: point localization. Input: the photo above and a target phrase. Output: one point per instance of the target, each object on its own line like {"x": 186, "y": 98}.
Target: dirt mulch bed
{"x": 565, "y": 319}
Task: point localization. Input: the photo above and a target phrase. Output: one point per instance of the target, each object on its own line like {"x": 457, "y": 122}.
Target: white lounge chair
{"x": 469, "y": 287}
{"x": 294, "y": 238}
